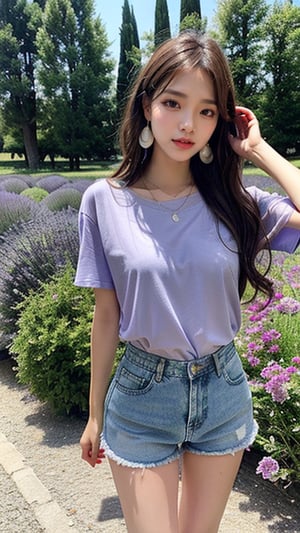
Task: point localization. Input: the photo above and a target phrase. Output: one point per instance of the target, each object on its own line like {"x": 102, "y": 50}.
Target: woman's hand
{"x": 248, "y": 134}
{"x": 89, "y": 442}
{"x": 250, "y": 145}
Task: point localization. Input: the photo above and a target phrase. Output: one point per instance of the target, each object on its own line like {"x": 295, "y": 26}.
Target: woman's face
{"x": 183, "y": 117}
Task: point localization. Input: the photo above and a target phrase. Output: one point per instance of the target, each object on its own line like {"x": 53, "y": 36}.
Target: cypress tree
{"x": 162, "y": 30}
{"x": 129, "y": 43}
{"x": 188, "y": 7}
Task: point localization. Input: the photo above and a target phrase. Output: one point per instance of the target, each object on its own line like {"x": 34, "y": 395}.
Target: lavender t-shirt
{"x": 176, "y": 282}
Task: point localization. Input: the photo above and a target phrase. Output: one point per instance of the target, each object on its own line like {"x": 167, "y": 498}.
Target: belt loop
{"x": 160, "y": 370}
{"x": 217, "y": 364}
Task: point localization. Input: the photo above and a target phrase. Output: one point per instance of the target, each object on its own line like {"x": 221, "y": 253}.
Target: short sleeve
{"x": 275, "y": 211}
{"x": 92, "y": 268}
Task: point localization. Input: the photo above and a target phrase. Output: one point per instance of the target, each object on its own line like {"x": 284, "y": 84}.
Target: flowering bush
{"x": 13, "y": 184}
{"x": 16, "y": 208}
{"x": 51, "y": 183}
{"x": 63, "y": 198}
{"x": 269, "y": 344}
{"x": 31, "y": 254}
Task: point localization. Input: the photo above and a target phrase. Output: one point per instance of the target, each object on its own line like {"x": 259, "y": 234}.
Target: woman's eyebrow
{"x": 183, "y": 95}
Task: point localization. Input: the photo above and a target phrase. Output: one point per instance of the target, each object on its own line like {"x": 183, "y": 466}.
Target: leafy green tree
{"x": 239, "y": 30}
{"x": 162, "y": 30}
{"x": 130, "y": 57}
{"x": 280, "y": 101}
{"x": 190, "y": 16}
{"x": 75, "y": 75}
{"x": 188, "y": 7}
{"x": 193, "y": 22}
{"x": 19, "y": 20}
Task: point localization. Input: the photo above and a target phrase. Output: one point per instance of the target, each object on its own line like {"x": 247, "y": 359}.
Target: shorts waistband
{"x": 171, "y": 368}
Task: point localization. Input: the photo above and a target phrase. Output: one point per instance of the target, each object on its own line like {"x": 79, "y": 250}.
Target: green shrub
{"x": 52, "y": 346}
{"x": 63, "y": 198}
{"x": 53, "y": 343}
{"x": 35, "y": 193}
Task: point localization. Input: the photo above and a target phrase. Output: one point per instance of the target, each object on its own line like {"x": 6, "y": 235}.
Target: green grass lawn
{"x": 88, "y": 170}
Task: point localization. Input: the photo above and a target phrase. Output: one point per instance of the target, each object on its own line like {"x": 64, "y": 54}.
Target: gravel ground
{"x": 86, "y": 496}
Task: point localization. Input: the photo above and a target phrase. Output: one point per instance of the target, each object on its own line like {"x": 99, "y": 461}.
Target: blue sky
{"x": 110, "y": 12}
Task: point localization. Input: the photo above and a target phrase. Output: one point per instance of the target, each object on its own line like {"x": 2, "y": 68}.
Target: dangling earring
{"x": 206, "y": 154}
{"x": 146, "y": 137}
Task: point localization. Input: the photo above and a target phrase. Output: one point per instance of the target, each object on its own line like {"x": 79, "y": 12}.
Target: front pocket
{"x": 130, "y": 382}
{"x": 233, "y": 371}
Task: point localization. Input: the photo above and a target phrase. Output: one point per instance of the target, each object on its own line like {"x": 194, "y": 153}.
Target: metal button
{"x": 195, "y": 368}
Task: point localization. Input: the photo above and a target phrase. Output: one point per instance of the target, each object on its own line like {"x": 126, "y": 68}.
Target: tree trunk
{"x": 30, "y": 144}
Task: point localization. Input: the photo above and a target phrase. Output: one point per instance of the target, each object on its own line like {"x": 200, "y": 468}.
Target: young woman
{"x": 169, "y": 243}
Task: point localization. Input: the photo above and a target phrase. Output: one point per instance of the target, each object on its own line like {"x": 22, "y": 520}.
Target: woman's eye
{"x": 171, "y": 103}
{"x": 208, "y": 112}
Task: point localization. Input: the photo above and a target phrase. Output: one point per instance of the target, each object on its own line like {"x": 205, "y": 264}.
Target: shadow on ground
{"x": 272, "y": 503}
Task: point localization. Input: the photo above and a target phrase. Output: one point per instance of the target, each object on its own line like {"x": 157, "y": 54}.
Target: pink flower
{"x": 274, "y": 348}
{"x": 254, "y": 329}
{"x": 296, "y": 360}
{"x": 254, "y": 347}
{"x": 288, "y": 306}
{"x": 278, "y": 295}
{"x": 267, "y": 467}
{"x": 270, "y": 335}
{"x": 252, "y": 360}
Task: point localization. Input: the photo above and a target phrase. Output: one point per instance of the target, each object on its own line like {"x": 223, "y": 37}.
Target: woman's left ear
{"x": 147, "y": 108}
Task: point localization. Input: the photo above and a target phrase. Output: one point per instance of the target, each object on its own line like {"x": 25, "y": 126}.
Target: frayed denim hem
{"x": 239, "y": 447}
{"x": 132, "y": 464}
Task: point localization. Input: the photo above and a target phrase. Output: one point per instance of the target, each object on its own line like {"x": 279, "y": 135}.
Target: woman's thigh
{"x": 149, "y": 497}
{"x": 207, "y": 481}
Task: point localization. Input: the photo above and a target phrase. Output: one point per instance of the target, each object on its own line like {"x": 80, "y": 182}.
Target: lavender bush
{"x": 16, "y": 208}
{"x": 63, "y": 198}
{"x": 31, "y": 254}
{"x": 269, "y": 344}
{"x": 13, "y": 184}
{"x": 51, "y": 183}
{"x": 79, "y": 185}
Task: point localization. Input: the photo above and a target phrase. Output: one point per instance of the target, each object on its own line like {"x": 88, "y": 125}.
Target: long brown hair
{"x": 220, "y": 182}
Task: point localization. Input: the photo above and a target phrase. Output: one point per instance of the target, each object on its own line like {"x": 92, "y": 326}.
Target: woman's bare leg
{"x": 206, "y": 484}
{"x": 149, "y": 497}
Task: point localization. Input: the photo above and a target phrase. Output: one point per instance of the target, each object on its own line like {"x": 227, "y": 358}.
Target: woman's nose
{"x": 187, "y": 124}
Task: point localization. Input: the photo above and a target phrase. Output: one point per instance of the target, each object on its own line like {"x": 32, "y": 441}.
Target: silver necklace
{"x": 174, "y": 213}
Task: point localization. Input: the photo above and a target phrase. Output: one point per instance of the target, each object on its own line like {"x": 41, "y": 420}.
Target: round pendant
{"x": 175, "y": 217}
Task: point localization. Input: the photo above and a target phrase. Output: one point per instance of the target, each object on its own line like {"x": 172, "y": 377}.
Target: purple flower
{"x": 252, "y": 360}
{"x": 296, "y": 360}
{"x": 274, "y": 348}
{"x": 269, "y": 336}
{"x": 270, "y": 370}
{"x": 278, "y": 295}
{"x": 254, "y": 347}
{"x": 277, "y": 390}
{"x": 288, "y": 306}
{"x": 254, "y": 329}
{"x": 293, "y": 277}
{"x": 267, "y": 467}
{"x": 292, "y": 369}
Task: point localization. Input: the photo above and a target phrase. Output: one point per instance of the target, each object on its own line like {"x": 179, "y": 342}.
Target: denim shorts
{"x": 157, "y": 408}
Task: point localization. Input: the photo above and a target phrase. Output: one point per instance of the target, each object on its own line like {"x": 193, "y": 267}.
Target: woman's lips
{"x": 184, "y": 144}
